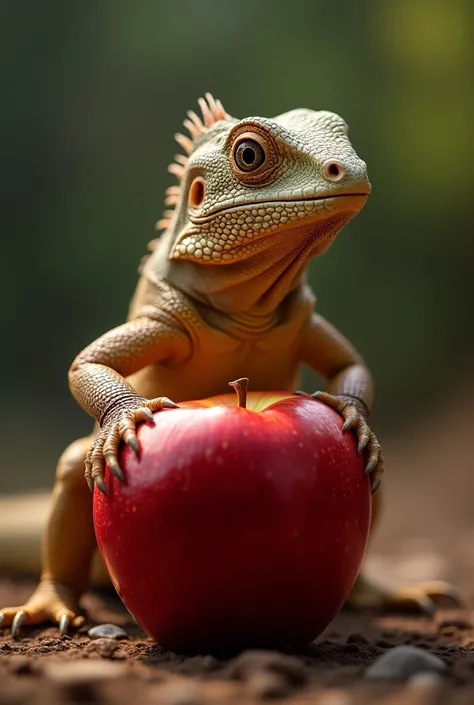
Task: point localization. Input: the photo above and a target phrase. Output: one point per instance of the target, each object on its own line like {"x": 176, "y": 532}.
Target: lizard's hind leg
{"x": 67, "y": 549}
{"x": 421, "y": 598}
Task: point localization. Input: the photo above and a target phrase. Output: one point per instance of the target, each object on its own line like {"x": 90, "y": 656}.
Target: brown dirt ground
{"x": 41, "y": 668}
{"x": 427, "y": 532}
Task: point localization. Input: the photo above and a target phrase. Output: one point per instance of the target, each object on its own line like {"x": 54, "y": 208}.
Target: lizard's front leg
{"x": 97, "y": 380}
{"x": 349, "y": 388}
{"x": 350, "y": 392}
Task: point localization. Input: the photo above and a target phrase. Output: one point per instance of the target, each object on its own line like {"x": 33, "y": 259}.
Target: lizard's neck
{"x": 252, "y": 289}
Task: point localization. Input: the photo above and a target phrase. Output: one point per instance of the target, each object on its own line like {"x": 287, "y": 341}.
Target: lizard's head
{"x": 245, "y": 182}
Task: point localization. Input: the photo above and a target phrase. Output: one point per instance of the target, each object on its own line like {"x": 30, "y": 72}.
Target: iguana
{"x": 223, "y": 294}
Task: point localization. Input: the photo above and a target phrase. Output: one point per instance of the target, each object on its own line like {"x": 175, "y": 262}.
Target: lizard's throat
{"x": 257, "y": 285}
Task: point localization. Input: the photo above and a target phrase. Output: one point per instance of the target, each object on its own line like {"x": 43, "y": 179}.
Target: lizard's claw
{"x": 51, "y": 602}
{"x": 122, "y": 428}
{"x": 18, "y": 620}
{"x": 366, "y": 438}
{"x": 63, "y": 624}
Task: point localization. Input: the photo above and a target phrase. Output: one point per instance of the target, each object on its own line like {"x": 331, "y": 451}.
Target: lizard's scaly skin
{"x": 221, "y": 296}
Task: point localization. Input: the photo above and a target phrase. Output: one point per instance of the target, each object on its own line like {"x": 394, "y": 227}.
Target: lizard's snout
{"x": 353, "y": 175}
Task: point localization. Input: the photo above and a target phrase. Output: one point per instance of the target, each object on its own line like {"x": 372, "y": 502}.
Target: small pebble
{"x": 402, "y": 662}
{"x": 204, "y": 664}
{"x": 106, "y": 648}
{"x": 253, "y": 664}
{"x": 107, "y": 631}
{"x": 357, "y": 638}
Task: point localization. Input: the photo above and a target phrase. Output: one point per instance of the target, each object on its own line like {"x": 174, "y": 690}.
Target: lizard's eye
{"x": 254, "y": 154}
{"x": 249, "y": 155}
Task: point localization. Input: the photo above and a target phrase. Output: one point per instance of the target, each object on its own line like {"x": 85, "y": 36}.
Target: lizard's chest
{"x": 269, "y": 361}
{"x": 225, "y": 348}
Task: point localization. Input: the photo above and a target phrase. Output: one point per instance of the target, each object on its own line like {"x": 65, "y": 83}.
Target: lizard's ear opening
{"x": 197, "y": 192}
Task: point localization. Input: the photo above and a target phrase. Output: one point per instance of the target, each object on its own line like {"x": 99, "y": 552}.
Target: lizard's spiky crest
{"x": 212, "y": 111}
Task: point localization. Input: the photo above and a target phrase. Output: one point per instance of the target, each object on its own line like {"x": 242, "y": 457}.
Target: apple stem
{"x": 241, "y": 386}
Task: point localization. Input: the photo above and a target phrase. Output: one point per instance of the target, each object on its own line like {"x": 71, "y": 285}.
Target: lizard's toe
{"x": 438, "y": 591}
{"x": 25, "y": 615}
{"x": 13, "y": 617}
{"x": 51, "y": 603}
{"x": 104, "y": 451}
{"x": 422, "y": 598}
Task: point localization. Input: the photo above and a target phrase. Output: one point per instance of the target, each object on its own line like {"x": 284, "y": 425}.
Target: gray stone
{"x": 253, "y": 663}
{"x": 107, "y": 631}
{"x": 402, "y": 662}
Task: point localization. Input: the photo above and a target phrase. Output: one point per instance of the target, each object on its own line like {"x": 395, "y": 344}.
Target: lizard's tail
{"x": 22, "y": 520}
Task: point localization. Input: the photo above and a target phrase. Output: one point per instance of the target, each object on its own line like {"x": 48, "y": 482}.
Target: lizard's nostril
{"x": 333, "y": 171}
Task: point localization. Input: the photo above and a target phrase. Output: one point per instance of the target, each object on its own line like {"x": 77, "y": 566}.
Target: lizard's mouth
{"x": 237, "y": 232}
{"x": 329, "y": 202}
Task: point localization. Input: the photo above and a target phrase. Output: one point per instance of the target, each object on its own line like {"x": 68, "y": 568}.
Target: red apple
{"x": 236, "y": 527}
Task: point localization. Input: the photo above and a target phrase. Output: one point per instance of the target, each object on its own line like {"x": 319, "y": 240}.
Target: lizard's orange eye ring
{"x": 254, "y": 154}
{"x": 249, "y": 155}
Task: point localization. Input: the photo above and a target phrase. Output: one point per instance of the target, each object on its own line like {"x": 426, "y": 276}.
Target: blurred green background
{"x": 92, "y": 93}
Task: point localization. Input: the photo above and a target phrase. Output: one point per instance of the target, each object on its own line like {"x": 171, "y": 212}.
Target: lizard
{"x": 222, "y": 294}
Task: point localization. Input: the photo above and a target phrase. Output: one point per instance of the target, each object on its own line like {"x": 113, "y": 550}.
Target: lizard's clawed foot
{"x": 421, "y": 599}
{"x": 51, "y": 602}
{"x": 367, "y": 442}
{"x": 122, "y": 427}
